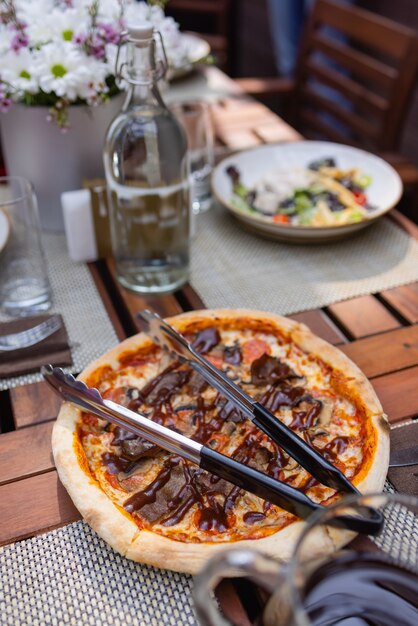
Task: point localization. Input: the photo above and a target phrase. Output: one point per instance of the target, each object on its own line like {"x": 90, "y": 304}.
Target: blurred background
{"x": 241, "y": 36}
{"x": 260, "y": 38}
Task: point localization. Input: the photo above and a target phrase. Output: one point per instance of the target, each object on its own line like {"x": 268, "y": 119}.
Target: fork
{"x": 31, "y": 336}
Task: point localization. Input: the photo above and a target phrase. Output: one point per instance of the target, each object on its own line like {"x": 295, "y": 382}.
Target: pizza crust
{"x": 118, "y": 529}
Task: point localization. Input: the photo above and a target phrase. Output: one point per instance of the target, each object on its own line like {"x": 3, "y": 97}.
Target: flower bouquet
{"x": 57, "y": 61}
{"x": 58, "y": 53}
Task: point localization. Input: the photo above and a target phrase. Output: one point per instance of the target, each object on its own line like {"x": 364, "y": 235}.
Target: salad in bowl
{"x": 322, "y": 194}
{"x": 305, "y": 191}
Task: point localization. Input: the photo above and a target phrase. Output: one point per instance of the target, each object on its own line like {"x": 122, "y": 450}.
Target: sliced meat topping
{"x": 285, "y": 395}
{"x": 168, "y": 383}
{"x": 267, "y": 370}
{"x": 197, "y": 383}
{"x": 148, "y": 496}
{"x": 116, "y": 464}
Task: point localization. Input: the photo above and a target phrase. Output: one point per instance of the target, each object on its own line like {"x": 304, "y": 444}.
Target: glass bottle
{"x": 146, "y": 167}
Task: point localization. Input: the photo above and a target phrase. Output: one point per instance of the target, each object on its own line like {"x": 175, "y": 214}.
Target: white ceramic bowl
{"x": 383, "y": 193}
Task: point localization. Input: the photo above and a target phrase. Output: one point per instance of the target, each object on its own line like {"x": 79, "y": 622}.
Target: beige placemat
{"x": 233, "y": 268}
{"x": 71, "y": 576}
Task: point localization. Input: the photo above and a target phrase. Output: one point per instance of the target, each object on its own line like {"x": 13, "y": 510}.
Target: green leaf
{"x": 239, "y": 203}
{"x": 240, "y": 190}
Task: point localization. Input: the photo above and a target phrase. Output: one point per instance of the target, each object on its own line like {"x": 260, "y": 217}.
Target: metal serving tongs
{"x": 171, "y": 340}
{"x": 245, "y": 477}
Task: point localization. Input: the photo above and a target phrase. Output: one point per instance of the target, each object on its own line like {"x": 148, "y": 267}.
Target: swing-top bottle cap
{"x": 140, "y": 30}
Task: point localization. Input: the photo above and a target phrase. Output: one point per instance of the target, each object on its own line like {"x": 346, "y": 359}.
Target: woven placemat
{"x": 71, "y": 576}
{"x": 75, "y": 296}
{"x": 233, "y": 268}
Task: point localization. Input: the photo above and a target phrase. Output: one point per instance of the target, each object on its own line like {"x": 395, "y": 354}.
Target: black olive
{"x": 326, "y": 162}
{"x": 287, "y": 204}
{"x": 233, "y": 174}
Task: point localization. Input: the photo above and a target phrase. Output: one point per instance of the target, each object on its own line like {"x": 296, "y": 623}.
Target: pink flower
{"x": 97, "y": 48}
{"x": 19, "y": 41}
{"x": 108, "y": 33}
{"x": 5, "y": 104}
{"x": 80, "y": 40}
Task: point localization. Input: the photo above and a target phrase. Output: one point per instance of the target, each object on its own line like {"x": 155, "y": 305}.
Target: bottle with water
{"x": 146, "y": 166}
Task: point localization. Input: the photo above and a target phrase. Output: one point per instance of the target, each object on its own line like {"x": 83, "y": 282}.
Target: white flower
{"x": 18, "y": 70}
{"x": 109, "y": 11}
{"x": 137, "y": 12}
{"x": 27, "y": 10}
{"x": 6, "y": 36}
{"x": 58, "y": 49}
{"x": 33, "y": 15}
{"x": 67, "y": 72}
{"x": 174, "y": 45}
{"x": 59, "y": 25}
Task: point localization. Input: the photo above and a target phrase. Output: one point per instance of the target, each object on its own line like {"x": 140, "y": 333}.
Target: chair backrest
{"x": 210, "y": 18}
{"x": 355, "y": 76}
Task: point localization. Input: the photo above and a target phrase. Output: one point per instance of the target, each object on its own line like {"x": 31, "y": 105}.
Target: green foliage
{"x": 158, "y": 3}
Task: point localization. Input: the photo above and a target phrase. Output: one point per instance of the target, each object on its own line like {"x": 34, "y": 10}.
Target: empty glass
{"x": 24, "y": 284}
{"x": 196, "y": 120}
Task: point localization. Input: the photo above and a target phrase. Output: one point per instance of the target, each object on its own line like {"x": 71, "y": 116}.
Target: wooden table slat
{"x": 363, "y": 316}
{"x": 25, "y": 452}
{"x": 238, "y": 139}
{"x": 34, "y": 505}
{"x": 32, "y": 404}
{"x": 163, "y": 305}
{"x": 231, "y": 604}
{"x": 107, "y": 301}
{"x": 270, "y": 132}
{"x": 398, "y": 393}
{"x": 405, "y": 300}
{"x": 385, "y": 353}
{"x": 321, "y": 325}
{"x": 190, "y": 297}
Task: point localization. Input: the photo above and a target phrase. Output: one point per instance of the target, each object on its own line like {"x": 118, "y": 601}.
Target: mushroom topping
{"x": 206, "y": 339}
{"x": 324, "y": 418}
{"x": 135, "y": 449}
{"x": 325, "y": 415}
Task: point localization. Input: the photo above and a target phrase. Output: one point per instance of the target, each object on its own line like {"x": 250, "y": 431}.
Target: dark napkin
{"x": 404, "y": 479}
{"x": 54, "y": 349}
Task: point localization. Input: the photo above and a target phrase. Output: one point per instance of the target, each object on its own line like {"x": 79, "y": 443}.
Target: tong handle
{"x": 302, "y": 452}
{"x": 283, "y": 495}
{"x": 257, "y": 482}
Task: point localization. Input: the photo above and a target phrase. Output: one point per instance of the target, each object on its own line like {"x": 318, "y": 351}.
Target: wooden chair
{"x": 353, "y": 83}
{"x": 210, "y": 18}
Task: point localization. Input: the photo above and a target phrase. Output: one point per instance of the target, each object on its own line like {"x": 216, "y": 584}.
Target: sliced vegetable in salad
{"x": 320, "y": 195}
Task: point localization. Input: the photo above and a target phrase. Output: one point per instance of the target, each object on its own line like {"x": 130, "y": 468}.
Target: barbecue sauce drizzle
{"x": 218, "y": 517}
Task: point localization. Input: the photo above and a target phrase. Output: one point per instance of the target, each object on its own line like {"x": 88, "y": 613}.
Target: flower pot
{"x": 52, "y": 160}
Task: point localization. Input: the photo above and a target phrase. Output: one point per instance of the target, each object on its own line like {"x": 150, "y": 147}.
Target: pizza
{"x": 157, "y": 508}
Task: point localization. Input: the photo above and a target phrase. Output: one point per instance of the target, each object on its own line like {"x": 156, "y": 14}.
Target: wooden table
{"x": 379, "y": 332}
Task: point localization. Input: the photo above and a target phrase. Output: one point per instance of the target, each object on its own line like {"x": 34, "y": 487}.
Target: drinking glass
{"x": 329, "y": 579}
{"x": 24, "y": 284}
{"x": 195, "y": 117}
